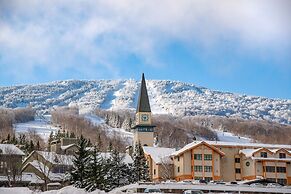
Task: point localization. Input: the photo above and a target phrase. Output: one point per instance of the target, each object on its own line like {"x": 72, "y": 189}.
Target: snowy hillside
{"x": 165, "y": 97}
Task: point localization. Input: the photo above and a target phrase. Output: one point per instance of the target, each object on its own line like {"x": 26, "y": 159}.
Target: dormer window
{"x": 264, "y": 154}
{"x": 282, "y": 155}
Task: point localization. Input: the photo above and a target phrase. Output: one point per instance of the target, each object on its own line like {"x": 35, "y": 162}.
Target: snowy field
{"x": 229, "y": 137}
{"x": 41, "y": 125}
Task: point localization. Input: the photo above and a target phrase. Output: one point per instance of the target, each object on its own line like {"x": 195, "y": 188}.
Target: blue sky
{"x": 237, "y": 46}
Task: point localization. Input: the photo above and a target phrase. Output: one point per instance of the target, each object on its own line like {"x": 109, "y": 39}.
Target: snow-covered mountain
{"x": 173, "y": 97}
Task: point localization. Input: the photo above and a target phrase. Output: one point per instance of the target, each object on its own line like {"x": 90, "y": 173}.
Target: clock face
{"x": 144, "y": 117}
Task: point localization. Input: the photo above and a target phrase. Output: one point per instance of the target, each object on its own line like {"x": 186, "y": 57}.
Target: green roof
{"x": 143, "y": 99}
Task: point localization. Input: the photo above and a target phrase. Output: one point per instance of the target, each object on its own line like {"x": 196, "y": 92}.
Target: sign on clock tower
{"x": 143, "y": 129}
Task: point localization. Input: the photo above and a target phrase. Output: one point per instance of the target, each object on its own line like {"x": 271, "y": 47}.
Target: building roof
{"x": 68, "y": 146}
{"x": 143, "y": 99}
{"x": 159, "y": 154}
{"x": 240, "y": 144}
{"x": 43, "y": 169}
{"x": 196, "y": 144}
{"x": 10, "y": 149}
{"x": 249, "y": 152}
{"x": 55, "y": 158}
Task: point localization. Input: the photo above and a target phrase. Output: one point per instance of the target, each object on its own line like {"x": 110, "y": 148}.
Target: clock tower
{"x": 143, "y": 129}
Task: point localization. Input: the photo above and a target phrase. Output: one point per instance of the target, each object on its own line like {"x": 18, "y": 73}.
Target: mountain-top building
{"x": 209, "y": 160}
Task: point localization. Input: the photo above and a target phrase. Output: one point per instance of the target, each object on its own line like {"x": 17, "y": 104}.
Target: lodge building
{"x": 209, "y": 160}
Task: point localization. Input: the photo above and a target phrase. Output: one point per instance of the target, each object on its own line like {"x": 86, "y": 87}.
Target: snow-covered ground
{"x": 229, "y": 137}
{"x": 65, "y": 190}
{"x": 172, "y": 97}
{"x": 41, "y": 125}
{"x": 97, "y": 121}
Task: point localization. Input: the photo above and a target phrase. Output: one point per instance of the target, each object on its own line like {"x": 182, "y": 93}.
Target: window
{"x": 264, "y": 154}
{"x": 282, "y": 181}
{"x": 237, "y": 170}
{"x": 208, "y": 179}
{"x": 198, "y": 168}
{"x": 178, "y": 158}
{"x": 198, "y": 178}
{"x": 207, "y": 157}
{"x": 207, "y": 168}
{"x": 270, "y": 168}
{"x": 197, "y": 156}
{"x": 271, "y": 179}
{"x": 154, "y": 171}
{"x": 178, "y": 169}
{"x": 282, "y": 155}
{"x": 281, "y": 169}
{"x": 237, "y": 160}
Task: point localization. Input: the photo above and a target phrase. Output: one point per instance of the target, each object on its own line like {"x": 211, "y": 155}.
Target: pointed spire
{"x": 143, "y": 99}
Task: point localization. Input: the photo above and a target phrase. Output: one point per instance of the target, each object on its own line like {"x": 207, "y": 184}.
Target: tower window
{"x": 237, "y": 160}
{"x": 178, "y": 169}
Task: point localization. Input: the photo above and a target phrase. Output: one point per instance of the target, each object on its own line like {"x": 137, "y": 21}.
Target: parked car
{"x": 274, "y": 185}
{"x": 187, "y": 181}
{"x": 152, "y": 191}
{"x": 256, "y": 185}
{"x": 169, "y": 181}
{"x": 201, "y": 181}
{"x": 193, "y": 192}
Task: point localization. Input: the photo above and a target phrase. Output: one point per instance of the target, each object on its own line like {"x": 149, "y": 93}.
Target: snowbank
{"x": 65, "y": 190}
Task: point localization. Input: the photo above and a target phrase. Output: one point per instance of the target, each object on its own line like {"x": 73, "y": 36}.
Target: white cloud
{"x": 55, "y": 33}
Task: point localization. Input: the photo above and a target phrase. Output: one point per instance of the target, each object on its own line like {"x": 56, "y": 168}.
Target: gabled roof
{"x": 143, "y": 99}
{"x": 10, "y": 149}
{"x": 159, "y": 154}
{"x": 194, "y": 145}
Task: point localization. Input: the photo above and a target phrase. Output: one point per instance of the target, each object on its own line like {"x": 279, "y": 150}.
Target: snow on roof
{"x": 234, "y": 144}
{"x": 196, "y": 143}
{"x": 46, "y": 171}
{"x": 67, "y": 146}
{"x": 159, "y": 154}
{"x": 249, "y": 152}
{"x": 267, "y": 159}
{"x": 10, "y": 149}
{"x": 55, "y": 158}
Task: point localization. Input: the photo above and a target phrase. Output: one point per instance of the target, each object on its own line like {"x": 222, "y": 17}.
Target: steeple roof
{"x": 143, "y": 99}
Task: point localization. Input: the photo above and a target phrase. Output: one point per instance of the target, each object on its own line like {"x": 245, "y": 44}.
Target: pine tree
{"x": 31, "y": 146}
{"x": 118, "y": 172}
{"x": 96, "y": 172}
{"x": 37, "y": 145}
{"x": 81, "y": 160}
{"x": 140, "y": 167}
{"x": 72, "y": 135}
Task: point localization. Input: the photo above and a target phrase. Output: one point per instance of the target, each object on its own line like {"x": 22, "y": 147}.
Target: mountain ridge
{"x": 174, "y": 97}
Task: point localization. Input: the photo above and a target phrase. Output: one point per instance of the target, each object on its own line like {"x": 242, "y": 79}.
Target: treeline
{"x": 118, "y": 119}
{"x": 260, "y": 131}
{"x": 106, "y": 171}
{"x": 10, "y": 116}
{"x": 70, "y": 122}
{"x": 176, "y": 132}
{"x": 170, "y": 131}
